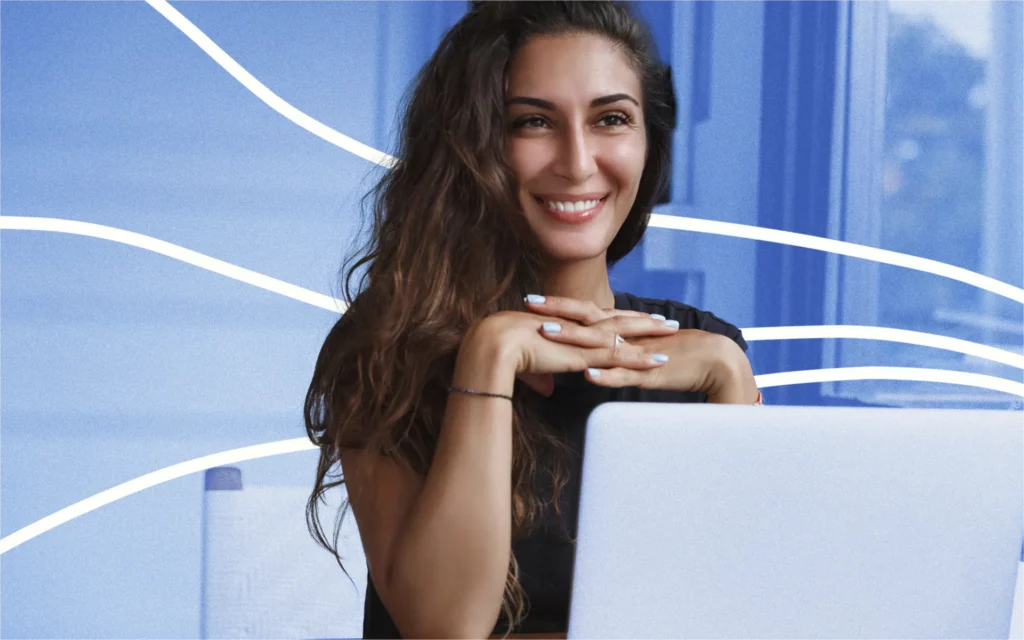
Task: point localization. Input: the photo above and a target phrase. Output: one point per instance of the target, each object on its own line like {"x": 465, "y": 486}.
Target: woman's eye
{"x": 615, "y": 119}
{"x": 529, "y": 122}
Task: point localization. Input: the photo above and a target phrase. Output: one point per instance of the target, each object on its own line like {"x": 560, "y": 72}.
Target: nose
{"x": 576, "y": 156}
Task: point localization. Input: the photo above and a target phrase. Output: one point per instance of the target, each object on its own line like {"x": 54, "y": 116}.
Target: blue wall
{"x": 839, "y": 120}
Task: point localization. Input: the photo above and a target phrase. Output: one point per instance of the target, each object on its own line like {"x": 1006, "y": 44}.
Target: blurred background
{"x": 894, "y": 125}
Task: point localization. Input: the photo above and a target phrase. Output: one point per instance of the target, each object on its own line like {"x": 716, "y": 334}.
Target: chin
{"x": 573, "y": 250}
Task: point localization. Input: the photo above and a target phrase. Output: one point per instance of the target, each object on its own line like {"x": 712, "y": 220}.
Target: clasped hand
{"x": 564, "y": 334}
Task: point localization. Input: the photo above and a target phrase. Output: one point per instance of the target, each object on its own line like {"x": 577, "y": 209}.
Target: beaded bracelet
{"x": 474, "y": 392}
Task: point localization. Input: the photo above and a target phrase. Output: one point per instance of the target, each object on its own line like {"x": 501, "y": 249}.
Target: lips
{"x": 572, "y": 209}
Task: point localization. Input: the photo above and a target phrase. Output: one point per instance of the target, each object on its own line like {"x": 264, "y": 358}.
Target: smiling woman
{"x": 455, "y": 390}
{"x": 598, "y": 145}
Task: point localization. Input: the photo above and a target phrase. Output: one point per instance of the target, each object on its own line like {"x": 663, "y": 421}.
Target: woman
{"x": 455, "y": 389}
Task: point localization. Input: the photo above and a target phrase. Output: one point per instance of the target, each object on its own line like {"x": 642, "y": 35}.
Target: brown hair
{"x": 448, "y": 247}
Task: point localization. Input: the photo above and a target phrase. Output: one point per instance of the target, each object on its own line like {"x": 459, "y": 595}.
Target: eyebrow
{"x": 550, "y": 106}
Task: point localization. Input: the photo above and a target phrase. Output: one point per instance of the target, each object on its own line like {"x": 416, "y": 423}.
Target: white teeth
{"x": 573, "y": 207}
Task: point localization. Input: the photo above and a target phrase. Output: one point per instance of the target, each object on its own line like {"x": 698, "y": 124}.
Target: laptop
{"x": 715, "y": 521}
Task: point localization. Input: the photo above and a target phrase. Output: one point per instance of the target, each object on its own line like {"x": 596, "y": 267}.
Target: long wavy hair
{"x": 449, "y": 246}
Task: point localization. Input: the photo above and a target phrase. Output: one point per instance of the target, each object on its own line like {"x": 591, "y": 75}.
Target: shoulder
{"x": 688, "y": 317}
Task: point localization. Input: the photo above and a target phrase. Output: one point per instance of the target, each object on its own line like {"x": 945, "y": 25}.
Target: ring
{"x": 618, "y": 341}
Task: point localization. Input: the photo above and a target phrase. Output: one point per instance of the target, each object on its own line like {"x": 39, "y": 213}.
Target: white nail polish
{"x": 594, "y": 373}
{"x": 551, "y": 327}
{"x": 657, "y": 316}
{"x": 674, "y": 324}
{"x": 534, "y": 298}
{"x": 659, "y": 357}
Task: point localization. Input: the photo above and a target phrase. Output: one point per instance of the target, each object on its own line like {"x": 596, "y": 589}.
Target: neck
{"x": 582, "y": 280}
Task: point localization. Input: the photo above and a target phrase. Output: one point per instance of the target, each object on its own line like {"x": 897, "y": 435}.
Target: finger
{"x": 626, "y": 312}
{"x": 622, "y": 377}
{"x": 579, "y": 335}
{"x": 602, "y": 349}
{"x": 582, "y": 311}
{"x": 625, "y": 356}
{"x": 637, "y": 326}
{"x": 602, "y": 332}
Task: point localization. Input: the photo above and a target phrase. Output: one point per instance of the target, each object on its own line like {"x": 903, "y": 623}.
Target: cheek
{"x": 526, "y": 158}
{"x": 627, "y": 161}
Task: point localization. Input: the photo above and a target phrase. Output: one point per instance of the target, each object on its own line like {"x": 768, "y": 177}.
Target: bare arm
{"x": 449, "y": 568}
{"x": 438, "y": 548}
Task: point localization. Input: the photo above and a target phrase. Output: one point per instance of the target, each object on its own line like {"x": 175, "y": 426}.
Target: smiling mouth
{"x": 572, "y": 208}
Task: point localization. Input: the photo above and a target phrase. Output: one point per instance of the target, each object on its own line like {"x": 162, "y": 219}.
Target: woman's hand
{"x": 519, "y": 339}
{"x": 695, "y": 360}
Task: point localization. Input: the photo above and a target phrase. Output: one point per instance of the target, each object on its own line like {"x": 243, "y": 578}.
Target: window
{"x": 933, "y": 169}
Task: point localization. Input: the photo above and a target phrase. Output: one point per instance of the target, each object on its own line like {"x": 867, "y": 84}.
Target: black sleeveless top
{"x": 545, "y": 556}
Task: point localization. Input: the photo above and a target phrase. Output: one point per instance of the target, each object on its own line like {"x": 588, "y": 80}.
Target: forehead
{"x": 571, "y": 67}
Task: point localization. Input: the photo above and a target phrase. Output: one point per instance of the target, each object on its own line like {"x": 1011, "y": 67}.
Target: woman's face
{"x": 576, "y": 141}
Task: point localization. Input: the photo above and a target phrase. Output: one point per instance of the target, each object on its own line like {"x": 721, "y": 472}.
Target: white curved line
{"x": 178, "y": 253}
{"x": 260, "y": 90}
{"x": 750, "y": 232}
{"x": 152, "y": 479}
{"x": 31, "y": 223}
{"x": 846, "y": 374}
{"x": 268, "y": 283}
{"x": 856, "y": 332}
{"x": 279, "y": 447}
{"x": 326, "y": 302}
{"x": 658, "y": 220}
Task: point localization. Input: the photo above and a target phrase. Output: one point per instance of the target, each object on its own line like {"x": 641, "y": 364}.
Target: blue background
{"x": 117, "y": 361}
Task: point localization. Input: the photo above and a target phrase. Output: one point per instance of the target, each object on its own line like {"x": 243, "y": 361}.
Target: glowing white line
{"x": 260, "y": 90}
{"x": 663, "y": 221}
{"x": 731, "y": 229}
{"x": 846, "y": 374}
{"x": 657, "y": 220}
{"x": 174, "y": 251}
{"x": 887, "y": 335}
{"x": 152, "y": 479}
{"x": 293, "y": 445}
{"x": 268, "y": 283}
{"x": 750, "y": 232}
{"x": 295, "y": 292}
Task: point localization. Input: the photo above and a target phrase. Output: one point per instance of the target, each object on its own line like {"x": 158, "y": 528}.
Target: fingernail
{"x": 594, "y": 373}
{"x": 659, "y": 357}
{"x": 657, "y": 316}
{"x": 551, "y": 327}
{"x": 672, "y": 324}
{"x": 534, "y": 298}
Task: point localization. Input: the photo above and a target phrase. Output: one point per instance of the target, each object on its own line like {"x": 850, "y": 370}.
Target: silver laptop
{"x": 709, "y": 521}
